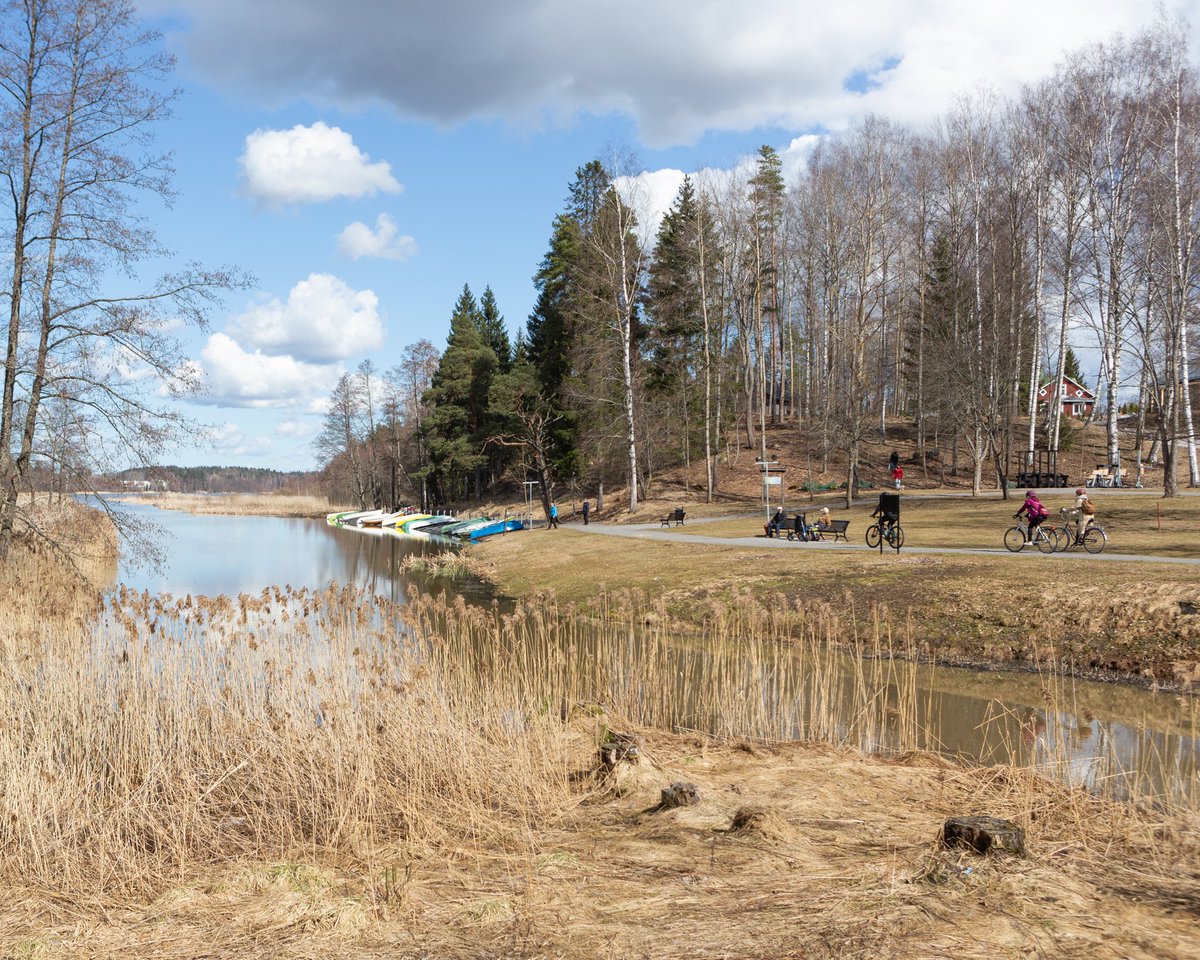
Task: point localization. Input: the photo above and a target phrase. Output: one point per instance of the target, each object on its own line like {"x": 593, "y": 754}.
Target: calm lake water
{"x": 1099, "y": 734}
{"x": 211, "y": 554}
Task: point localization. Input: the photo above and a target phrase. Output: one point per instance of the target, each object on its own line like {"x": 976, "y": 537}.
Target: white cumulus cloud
{"x": 311, "y": 165}
{"x": 323, "y": 320}
{"x": 384, "y": 242}
{"x": 228, "y": 438}
{"x": 234, "y": 377}
{"x": 293, "y": 429}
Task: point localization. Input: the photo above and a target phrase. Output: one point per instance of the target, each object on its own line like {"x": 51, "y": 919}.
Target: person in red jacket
{"x": 1035, "y": 511}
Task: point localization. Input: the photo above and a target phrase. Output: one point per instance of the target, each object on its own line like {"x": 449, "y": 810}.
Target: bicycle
{"x": 892, "y": 534}
{"x": 1094, "y": 539}
{"x": 1044, "y": 538}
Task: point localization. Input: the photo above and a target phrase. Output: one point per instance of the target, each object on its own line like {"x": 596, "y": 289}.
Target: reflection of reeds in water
{"x": 1065, "y": 741}
{"x": 747, "y": 670}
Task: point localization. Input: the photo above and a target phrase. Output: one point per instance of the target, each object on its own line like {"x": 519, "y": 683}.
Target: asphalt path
{"x": 657, "y": 532}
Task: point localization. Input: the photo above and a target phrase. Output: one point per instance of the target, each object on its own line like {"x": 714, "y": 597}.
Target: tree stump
{"x": 680, "y": 794}
{"x": 984, "y": 835}
{"x": 618, "y": 747}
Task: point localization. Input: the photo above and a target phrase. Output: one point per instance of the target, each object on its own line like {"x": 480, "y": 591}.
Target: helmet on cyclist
{"x": 1030, "y": 493}
{"x": 1079, "y": 491}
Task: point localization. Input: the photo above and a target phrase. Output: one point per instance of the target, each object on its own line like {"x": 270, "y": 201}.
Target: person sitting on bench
{"x": 776, "y": 523}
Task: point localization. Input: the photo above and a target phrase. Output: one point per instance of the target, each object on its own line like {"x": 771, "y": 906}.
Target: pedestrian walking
{"x": 586, "y": 509}
{"x": 893, "y": 462}
{"x": 898, "y": 475}
{"x": 554, "y": 516}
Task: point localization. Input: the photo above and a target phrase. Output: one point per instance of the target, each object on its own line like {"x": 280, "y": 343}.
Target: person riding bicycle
{"x": 887, "y": 520}
{"x": 1035, "y": 511}
{"x": 1085, "y": 513}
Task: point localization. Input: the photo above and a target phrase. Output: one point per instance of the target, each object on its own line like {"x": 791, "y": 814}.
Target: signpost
{"x": 772, "y": 477}
{"x": 529, "y": 485}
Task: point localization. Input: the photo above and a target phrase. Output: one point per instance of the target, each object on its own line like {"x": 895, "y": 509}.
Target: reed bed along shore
{"x": 240, "y": 504}
{"x": 300, "y": 773}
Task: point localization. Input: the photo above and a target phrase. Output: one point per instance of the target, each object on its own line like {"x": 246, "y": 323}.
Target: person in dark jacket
{"x": 586, "y": 510}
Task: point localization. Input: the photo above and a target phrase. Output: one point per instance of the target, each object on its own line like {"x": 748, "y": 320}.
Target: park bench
{"x": 674, "y": 517}
{"x": 836, "y": 530}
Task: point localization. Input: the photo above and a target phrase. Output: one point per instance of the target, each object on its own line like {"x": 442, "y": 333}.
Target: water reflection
{"x": 212, "y": 554}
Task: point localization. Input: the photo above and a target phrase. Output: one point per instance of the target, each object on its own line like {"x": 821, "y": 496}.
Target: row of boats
{"x": 411, "y": 521}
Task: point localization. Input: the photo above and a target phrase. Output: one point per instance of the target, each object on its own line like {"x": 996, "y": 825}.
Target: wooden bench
{"x": 674, "y": 517}
{"x": 836, "y": 530}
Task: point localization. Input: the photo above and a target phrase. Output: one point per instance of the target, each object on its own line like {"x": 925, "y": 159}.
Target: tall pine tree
{"x": 456, "y": 428}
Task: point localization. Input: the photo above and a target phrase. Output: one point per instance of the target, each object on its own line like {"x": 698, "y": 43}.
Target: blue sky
{"x": 363, "y": 160}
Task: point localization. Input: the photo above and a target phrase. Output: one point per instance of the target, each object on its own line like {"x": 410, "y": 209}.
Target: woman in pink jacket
{"x": 1035, "y": 511}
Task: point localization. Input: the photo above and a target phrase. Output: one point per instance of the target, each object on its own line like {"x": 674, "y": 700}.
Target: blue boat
{"x": 497, "y": 526}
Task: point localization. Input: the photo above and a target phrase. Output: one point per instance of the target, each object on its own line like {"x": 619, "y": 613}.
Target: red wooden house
{"x": 1077, "y": 400}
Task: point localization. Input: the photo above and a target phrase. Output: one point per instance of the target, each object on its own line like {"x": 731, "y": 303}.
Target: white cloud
{"x": 679, "y": 68}
{"x": 384, "y": 242}
{"x": 234, "y": 377}
{"x": 650, "y": 195}
{"x": 294, "y": 429}
{"x": 322, "y": 321}
{"x": 228, "y": 438}
{"x": 310, "y": 165}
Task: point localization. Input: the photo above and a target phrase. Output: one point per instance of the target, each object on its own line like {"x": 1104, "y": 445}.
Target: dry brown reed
{"x": 172, "y": 731}
{"x": 241, "y": 504}
{"x": 164, "y": 733}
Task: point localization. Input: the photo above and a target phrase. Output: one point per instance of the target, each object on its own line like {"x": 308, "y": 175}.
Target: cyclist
{"x": 1035, "y": 511}
{"x": 887, "y": 520}
{"x": 1085, "y": 513}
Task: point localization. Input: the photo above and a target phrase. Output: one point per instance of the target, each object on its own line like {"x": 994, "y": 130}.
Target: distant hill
{"x": 222, "y": 479}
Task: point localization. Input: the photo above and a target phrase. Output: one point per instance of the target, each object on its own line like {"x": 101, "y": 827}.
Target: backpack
{"x": 1089, "y": 508}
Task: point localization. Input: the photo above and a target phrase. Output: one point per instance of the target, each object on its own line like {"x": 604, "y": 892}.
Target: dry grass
{"x": 302, "y": 774}
{"x": 241, "y": 504}
{"x": 1135, "y": 618}
{"x": 52, "y": 580}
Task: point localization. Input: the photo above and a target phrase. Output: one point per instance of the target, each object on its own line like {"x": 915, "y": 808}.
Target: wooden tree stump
{"x": 984, "y": 835}
{"x": 680, "y": 794}
{"x": 618, "y": 747}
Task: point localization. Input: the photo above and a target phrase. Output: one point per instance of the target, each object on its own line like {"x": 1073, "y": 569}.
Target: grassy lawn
{"x": 1136, "y": 524}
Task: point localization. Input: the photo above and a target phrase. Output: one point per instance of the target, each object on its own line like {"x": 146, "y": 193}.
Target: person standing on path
{"x": 554, "y": 516}
{"x": 893, "y": 462}
{"x": 586, "y": 508}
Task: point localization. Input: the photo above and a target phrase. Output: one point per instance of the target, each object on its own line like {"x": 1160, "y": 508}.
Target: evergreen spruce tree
{"x": 491, "y": 325}
{"x": 455, "y": 428}
{"x": 1071, "y": 368}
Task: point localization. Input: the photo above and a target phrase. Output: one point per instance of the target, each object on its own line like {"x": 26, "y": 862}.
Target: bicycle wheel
{"x": 1094, "y": 540}
{"x": 897, "y": 537}
{"x": 873, "y": 536}
{"x": 1014, "y": 539}
{"x": 1047, "y": 540}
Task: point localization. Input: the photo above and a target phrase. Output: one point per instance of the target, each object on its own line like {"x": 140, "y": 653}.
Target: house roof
{"x": 1086, "y": 393}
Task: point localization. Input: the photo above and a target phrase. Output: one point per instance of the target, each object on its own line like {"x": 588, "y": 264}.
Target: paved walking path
{"x": 641, "y": 531}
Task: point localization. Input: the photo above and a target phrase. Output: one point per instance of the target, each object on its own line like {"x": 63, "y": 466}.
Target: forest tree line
{"x": 937, "y": 276}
